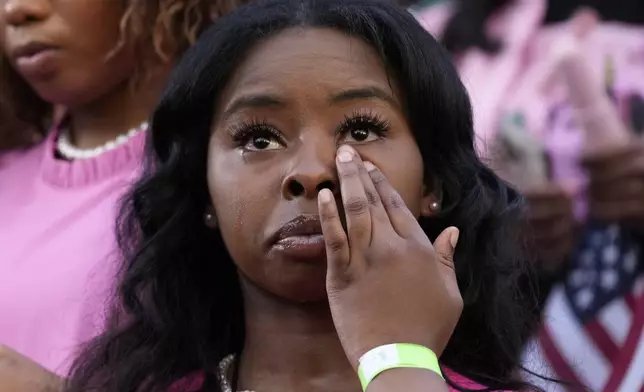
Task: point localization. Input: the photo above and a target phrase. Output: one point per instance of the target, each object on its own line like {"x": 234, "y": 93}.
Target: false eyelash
{"x": 365, "y": 120}
{"x": 242, "y": 132}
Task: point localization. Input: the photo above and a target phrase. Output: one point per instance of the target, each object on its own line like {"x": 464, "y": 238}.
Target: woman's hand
{"x": 551, "y": 224}
{"x": 20, "y": 374}
{"x": 616, "y": 188}
{"x": 386, "y": 282}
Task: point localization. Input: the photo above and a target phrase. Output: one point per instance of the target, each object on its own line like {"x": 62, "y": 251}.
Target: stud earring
{"x": 434, "y": 206}
{"x": 210, "y": 220}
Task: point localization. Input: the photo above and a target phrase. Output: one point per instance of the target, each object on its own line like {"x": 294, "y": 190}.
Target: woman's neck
{"x": 114, "y": 113}
{"x": 291, "y": 347}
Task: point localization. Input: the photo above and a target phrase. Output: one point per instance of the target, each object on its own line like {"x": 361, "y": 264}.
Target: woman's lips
{"x": 34, "y": 59}
{"x": 300, "y": 238}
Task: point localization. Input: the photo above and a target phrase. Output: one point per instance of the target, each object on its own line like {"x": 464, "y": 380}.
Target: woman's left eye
{"x": 362, "y": 128}
{"x": 359, "y": 136}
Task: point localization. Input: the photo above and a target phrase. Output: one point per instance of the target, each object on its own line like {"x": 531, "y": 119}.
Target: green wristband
{"x": 393, "y": 356}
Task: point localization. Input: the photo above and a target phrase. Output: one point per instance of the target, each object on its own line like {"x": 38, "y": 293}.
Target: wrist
{"x": 386, "y": 358}
{"x": 408, "y": 380}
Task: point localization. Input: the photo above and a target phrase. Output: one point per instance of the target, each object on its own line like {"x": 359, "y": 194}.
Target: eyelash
{"x": 243, "y": 132}
{"x": 364, "y": 120}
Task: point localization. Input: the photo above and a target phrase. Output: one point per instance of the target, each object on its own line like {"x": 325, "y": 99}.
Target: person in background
{"x": 299, "y": 209}
{"x": 102, "y": 65}
{"x": 570, "y": 80}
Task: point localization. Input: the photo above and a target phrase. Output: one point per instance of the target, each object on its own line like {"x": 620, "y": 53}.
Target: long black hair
{"x": 180, "y": 305}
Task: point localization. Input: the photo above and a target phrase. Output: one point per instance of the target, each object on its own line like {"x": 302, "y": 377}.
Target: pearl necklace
{"x": 68, "y": 151}
{"x": 224, "y": 374}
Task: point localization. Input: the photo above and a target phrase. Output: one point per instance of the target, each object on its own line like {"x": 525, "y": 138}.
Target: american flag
{"x": 593, "y": 326}
{"x": 593, "y": 331}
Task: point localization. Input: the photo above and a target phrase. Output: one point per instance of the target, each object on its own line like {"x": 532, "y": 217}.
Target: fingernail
{"x": 453, "y": 237}
{"x": 369, "y": 166}
{"x": 345, "y": 153}
{"x": 344, "y": 156}
{"x": 325, "y": 196}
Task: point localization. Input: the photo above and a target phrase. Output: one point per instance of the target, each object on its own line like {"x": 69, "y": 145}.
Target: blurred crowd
{"x": 557, "y": 92}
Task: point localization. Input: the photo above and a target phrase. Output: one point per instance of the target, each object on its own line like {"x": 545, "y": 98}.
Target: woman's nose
{"x": 21, "y": 12}
{"x": 313, "y": 170}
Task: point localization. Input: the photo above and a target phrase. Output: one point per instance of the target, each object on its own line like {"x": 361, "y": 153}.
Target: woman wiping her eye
{"x": 358, "y": 127}
{"x": 313, "y": 217}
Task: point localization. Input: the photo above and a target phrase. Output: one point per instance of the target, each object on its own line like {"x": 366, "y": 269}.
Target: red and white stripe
{"x": 606, "y": 354}
{"x": 629, "y": 372}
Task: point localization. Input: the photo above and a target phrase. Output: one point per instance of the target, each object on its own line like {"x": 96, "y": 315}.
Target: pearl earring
{"x": 210, "y": 220}
{"x": 434, "y": 206}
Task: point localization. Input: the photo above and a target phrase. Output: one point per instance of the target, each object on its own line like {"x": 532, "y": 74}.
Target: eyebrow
{"x": 254, "y": 101}
{"x": 259, "y": 101}
{"x": 364, "y": 93}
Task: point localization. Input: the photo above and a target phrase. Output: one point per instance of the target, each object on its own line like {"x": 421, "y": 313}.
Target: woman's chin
{"x": 299, "y": 286}
{"x": 305, "y": 294}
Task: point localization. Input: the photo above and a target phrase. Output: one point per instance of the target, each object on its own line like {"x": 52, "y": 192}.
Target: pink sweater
{"x": 57, "y": 247}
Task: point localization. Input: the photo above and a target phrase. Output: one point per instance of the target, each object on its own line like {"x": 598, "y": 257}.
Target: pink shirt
{"x": 57, "y": 247}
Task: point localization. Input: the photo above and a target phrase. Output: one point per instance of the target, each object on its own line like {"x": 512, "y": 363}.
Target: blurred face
{"x": 61, "y": 47}
{"x": 292, "y": 102}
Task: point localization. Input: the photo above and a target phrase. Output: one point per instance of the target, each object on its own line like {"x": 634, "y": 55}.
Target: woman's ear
{"x": 210, "y": 218}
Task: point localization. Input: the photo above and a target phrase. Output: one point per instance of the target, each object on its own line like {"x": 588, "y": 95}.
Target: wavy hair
{"x": 180, "y": 299}
{"x": 176, "y": 26}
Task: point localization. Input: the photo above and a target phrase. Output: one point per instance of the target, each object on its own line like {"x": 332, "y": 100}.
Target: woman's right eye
{"x": 257, "y": 137}
{"x": 262, "y": 142}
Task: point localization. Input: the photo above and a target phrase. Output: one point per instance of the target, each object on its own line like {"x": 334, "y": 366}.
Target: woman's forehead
{"x": 326, "y": 60}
